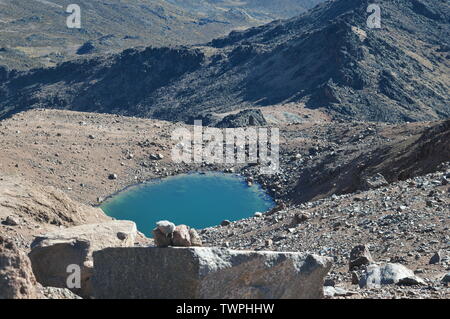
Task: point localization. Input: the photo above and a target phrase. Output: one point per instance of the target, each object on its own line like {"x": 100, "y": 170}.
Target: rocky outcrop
{"x": 243, "y": 119}
{"x": 53, "y": 253}
{"x": 16, "y": 277}
{"x": 191, "y": 273}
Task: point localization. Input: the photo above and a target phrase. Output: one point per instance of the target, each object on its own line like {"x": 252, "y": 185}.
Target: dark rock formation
{"x": 243, "y": 119}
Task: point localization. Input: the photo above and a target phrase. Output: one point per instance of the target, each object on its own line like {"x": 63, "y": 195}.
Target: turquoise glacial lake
{"x": 196, "y": 200}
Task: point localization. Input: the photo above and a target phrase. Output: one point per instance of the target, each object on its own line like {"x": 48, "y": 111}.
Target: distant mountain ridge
{"x": 327, "y": 59}
{"x": 33, "y": 33}
{"x": 263, "y": 10}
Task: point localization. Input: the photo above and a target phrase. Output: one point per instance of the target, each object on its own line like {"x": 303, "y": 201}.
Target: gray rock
{"x": 300, "y": 218}
{"x": 11, "y": 221}
{"x": 161, "y": 240}
{"x": 330, "y": 291}
{"x": 329, "y": 282}
{"x": 181, "y": 236}
{"x": 225, "y": 222}
{"x": 359, "y": 256}
{"x": 388, "y": 274}
{"x": 355, "y": 278}
{"x": 52, "y": 253}
{"x": 446, "y": 278}
{"x": 436, "y": 259}
{"x": 166, "y": 227}
{"x": 156, "y": 157}
{"x": 196, "y": 240}
{"x": 191, "y": 273}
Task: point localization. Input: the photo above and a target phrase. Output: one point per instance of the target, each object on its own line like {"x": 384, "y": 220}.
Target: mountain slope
{"x": 34, "y": 32}
{"x": 261, "y": 10}
{"x": 326, "y": 59}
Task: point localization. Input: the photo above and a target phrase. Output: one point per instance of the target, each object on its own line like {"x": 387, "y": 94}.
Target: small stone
{"x": 329, "y": 283}
{"x": 112, "y": 176}
{"x": 446, "y": 278}
{"x": 330, "y": 291}
{"x": 225, "y": 222}
{"x": 355, "y": 278}
{"x": 359, "y": 256}
{"x": 257, "y": 214}
{"x": 122, "y": 235}
{"x": 300, "y": 218}
{"x": 11, "y": 221}
{"x": 436, "y": 259}
{"x": 156, "y": 157}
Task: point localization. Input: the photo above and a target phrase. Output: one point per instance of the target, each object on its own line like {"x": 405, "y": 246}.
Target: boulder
{"x": 166, "y": 227}
{"x": 161, "y": 240}
{"x": 225, "y": 222}
{"x": 16, "y": 277}
{"x": 181, "y": 236}
{"x": 11, "y": 221}
{"x": 388, "y": 274}
{"x": 436, "y": 258}
{"x": 360, "y": 256}
{"x": 52, "y": 253}
{"x": 446, "y": 278}
{"x": 196, "y": 240}
{"x": 204, "y": 273}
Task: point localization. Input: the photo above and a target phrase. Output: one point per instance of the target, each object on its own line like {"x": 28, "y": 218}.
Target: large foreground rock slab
{"x": 205, "y": 273}
{"x": 52, "y": 253}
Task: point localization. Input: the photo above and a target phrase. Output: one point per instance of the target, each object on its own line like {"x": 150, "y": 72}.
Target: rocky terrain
{"x": 77, "y": 159}
{"x": 405, "y": 222}
{"x": 326, "y": 60}
{"x": 362, "y": 192}
{"x": 33, "y": 33}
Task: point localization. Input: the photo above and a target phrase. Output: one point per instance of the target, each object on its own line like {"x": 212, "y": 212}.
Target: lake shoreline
{"x": 190, "y": 199}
